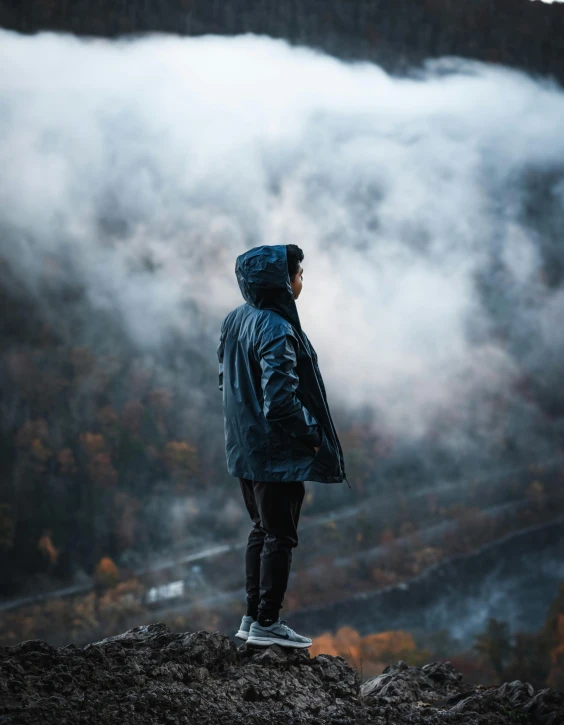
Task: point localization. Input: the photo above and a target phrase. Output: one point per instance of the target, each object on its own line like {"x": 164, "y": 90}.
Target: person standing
{"x": 278, "y": 428}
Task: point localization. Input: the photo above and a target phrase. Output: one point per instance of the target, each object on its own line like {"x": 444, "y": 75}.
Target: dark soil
{"x": 151, "y": 675}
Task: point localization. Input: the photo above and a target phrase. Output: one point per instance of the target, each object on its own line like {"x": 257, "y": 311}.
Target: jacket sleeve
{"x": 279, "y": 381}
{"x": 220, "y": 358}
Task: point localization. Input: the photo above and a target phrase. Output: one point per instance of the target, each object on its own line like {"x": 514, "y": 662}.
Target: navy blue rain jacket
{"x": 274, "y": 400}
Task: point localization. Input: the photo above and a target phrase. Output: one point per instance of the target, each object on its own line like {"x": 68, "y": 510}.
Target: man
{"x": 278, "y": 428}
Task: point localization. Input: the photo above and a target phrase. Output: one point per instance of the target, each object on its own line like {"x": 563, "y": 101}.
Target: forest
{"x": 101, "y": 460}
{"x": 97, "y": 451}
{"x": 497, "y": 655}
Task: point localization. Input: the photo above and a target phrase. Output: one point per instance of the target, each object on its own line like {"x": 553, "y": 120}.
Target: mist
{"x": 141, "y": 168}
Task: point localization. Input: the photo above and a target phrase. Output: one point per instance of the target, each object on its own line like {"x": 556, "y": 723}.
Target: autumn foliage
{"x": 371, "y": 653}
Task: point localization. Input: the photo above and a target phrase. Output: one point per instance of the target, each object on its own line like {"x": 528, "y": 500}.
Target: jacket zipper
{"x": 325, "y": 405}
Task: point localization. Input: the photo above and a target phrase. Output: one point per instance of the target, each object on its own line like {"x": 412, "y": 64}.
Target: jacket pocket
{"x": 325, "y": 458}
{"x": 301, "y": 446}
{"x": 324, "y": 445}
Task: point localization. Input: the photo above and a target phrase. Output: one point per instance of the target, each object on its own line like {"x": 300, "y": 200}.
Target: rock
{"x": 149, "y": 635}
{"x": 402, "y": 684}
{"x": 151, "y": 675}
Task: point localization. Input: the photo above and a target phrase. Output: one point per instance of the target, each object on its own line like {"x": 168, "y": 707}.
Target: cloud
{"x": 144, "y": 167}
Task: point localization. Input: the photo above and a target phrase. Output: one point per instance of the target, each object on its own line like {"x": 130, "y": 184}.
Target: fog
{"x": 429, "y": 209}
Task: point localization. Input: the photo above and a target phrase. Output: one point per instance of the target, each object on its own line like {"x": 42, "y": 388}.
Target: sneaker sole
{"x": 267, "y": 641}
{"x": 242, "y": 634}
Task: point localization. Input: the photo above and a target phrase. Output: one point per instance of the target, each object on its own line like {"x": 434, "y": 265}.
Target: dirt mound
{"x": 150, "y": 675}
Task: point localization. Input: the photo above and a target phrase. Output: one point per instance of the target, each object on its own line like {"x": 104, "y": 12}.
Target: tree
{"x": 553, "y": 637}
{"x": 495, "y": 644}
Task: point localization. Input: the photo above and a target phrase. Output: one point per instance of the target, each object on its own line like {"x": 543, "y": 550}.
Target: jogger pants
{"x": 274, "y": 508}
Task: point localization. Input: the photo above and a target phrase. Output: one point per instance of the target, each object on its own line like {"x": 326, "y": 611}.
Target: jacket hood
{"x": 262, "y": 274}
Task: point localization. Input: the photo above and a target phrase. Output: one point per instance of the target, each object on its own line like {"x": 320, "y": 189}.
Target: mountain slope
{"x": 393, "y": 33}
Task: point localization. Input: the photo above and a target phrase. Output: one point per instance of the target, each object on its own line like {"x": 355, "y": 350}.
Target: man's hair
{"x": 295, "y": 256}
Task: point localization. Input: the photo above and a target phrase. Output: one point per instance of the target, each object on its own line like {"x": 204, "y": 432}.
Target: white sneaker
{"x": 246, "y": 622}
{"x": 276, "y": 633}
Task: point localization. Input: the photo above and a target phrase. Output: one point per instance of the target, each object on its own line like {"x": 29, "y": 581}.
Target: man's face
{"x": 297, "y": 284}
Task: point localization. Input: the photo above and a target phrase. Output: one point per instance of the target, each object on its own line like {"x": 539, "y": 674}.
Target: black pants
{"x": 274, "y": 508}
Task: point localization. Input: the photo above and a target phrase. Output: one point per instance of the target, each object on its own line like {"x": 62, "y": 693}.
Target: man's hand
{"x": 316, "y": 448}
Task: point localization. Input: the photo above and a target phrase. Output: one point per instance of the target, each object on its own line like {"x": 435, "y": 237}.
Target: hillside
{"x": 520, "y": 33}
{"x": 150, "y": 675}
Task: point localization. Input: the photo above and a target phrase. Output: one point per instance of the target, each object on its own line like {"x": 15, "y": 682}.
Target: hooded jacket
{"x": 274, "y": 401}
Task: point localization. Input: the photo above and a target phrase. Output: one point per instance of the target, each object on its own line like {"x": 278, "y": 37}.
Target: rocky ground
{"x": 150, "y": 675}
